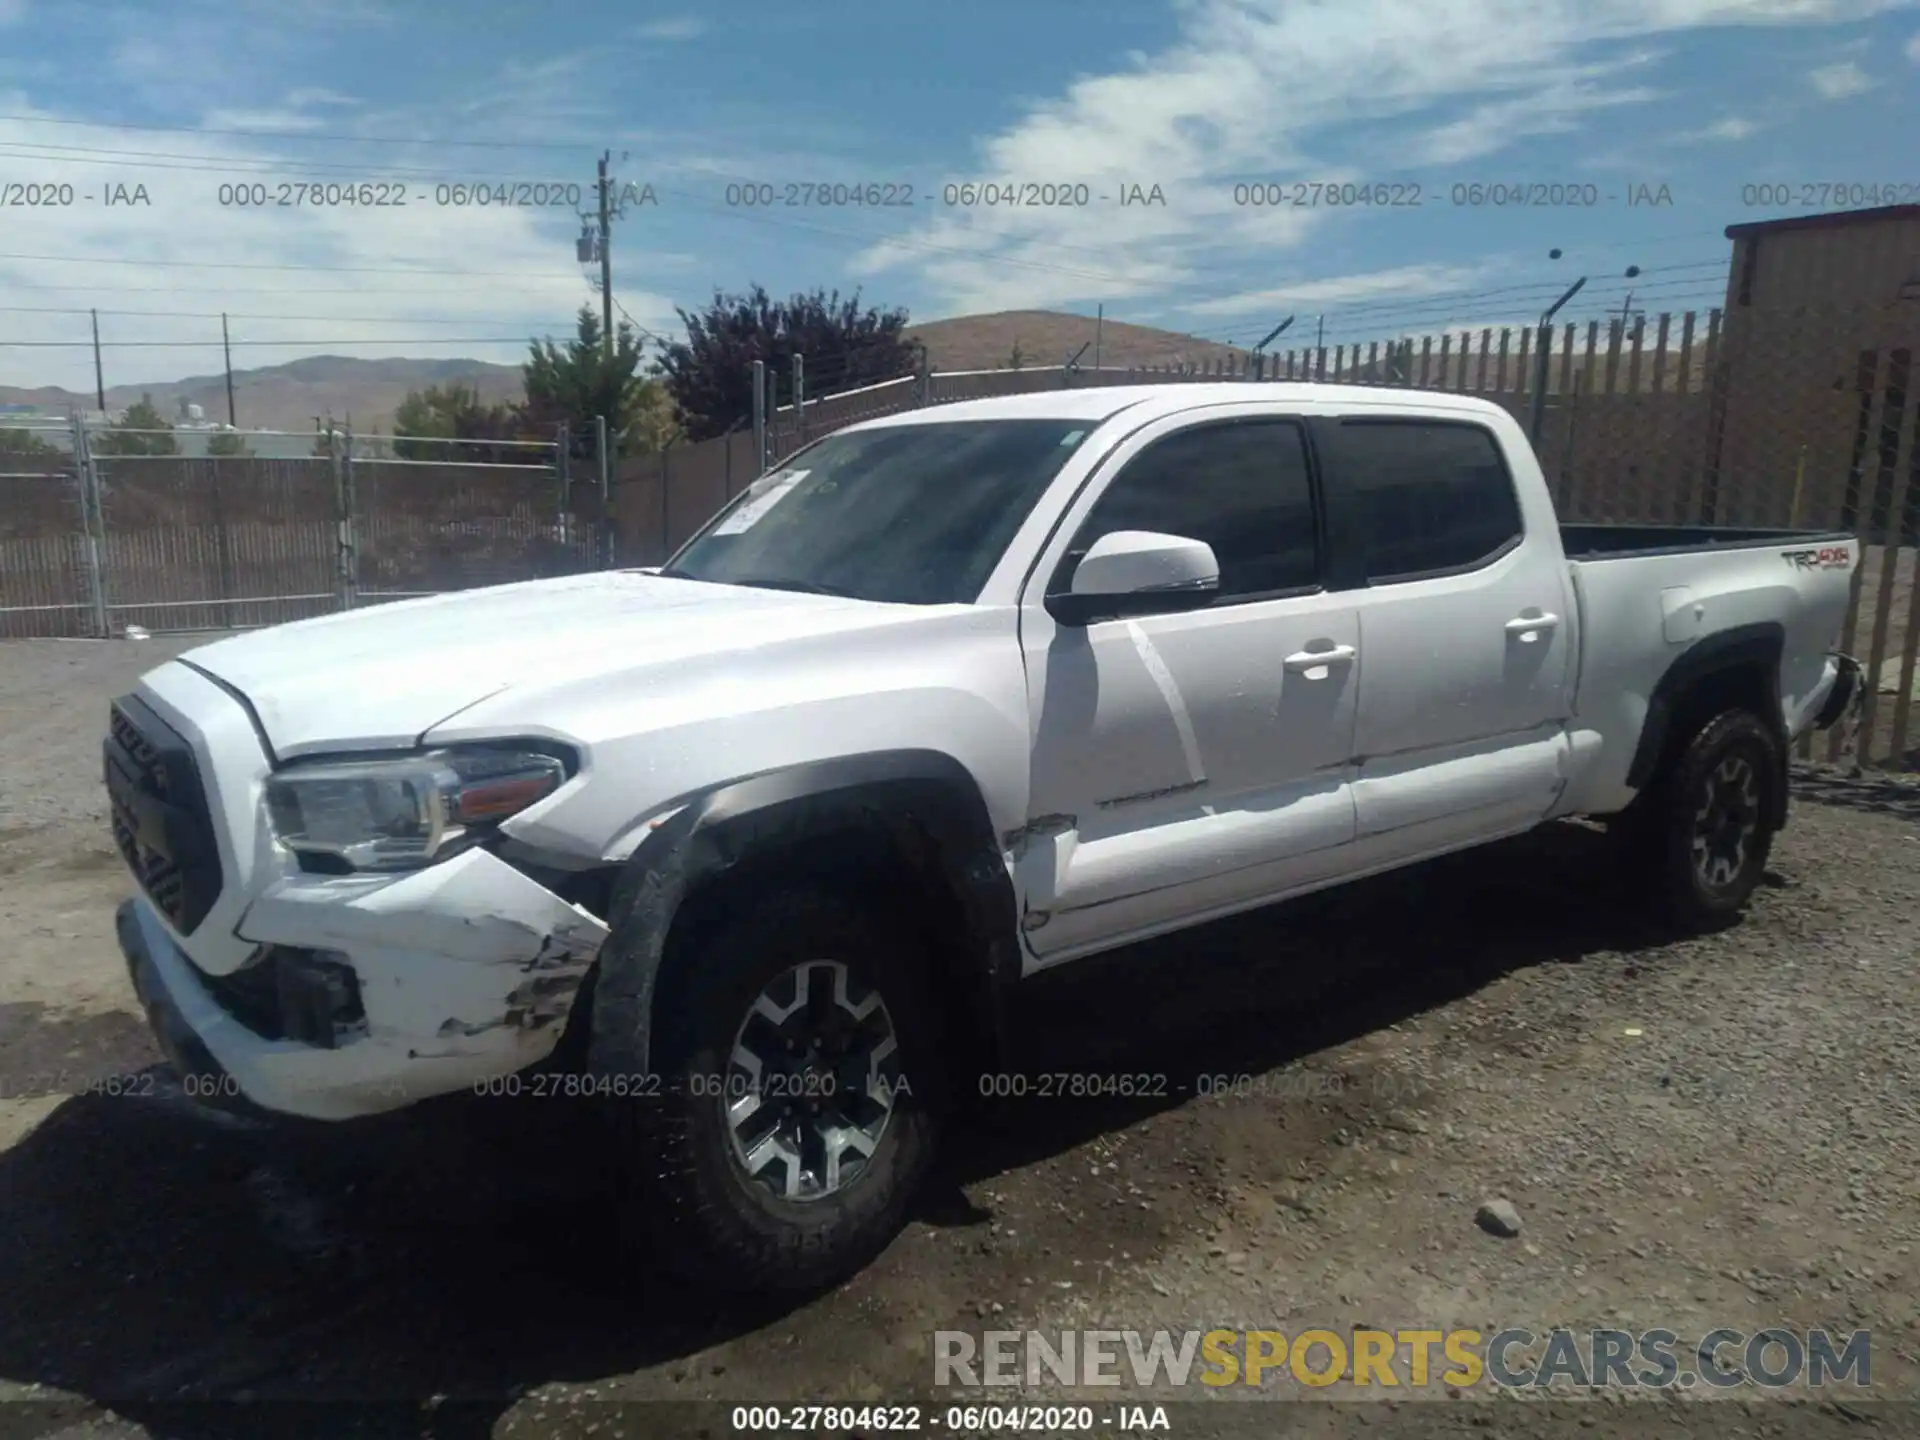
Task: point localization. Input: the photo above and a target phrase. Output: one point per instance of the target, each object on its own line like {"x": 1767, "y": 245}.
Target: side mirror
{"x": 1138, "y": 572}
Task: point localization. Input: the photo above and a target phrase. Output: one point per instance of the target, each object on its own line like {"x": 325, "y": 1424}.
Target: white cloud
{"x": 12, "y": 12}
{"x": 289, "y": 121}
{"x": 1403, "y": 282}
{"x": 677, "y": 27}
{"x": 1731, "y": 128}
{"x": 1493, "y": 127}
{"x": 1838, "y": 82}
{"x": 1251, "y": 88}
{"x": 362, "y": 281}
{"x": 317, "y": 95}
{"x": 1913, "y": 49}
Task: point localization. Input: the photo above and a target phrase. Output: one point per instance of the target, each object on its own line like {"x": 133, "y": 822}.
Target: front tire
{"x": 797, "y": 1052}
{"x": 1705, "y": 835}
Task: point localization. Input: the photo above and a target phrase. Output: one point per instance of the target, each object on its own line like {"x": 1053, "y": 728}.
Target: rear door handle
{"x": 1306, "y": 661}
{"x": 1524, "y": 626}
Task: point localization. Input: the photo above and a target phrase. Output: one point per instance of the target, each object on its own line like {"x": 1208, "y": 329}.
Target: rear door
{"x": 1189, "y": 763}
{"x": 1466, "y": 621}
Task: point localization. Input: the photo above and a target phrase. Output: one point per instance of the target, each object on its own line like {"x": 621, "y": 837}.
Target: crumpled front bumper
{"x": 465, "y": 972}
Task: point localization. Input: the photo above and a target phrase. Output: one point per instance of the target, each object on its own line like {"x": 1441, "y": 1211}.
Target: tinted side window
{"x": 1427, "y": 495}
{"x": 1242, "y": 487}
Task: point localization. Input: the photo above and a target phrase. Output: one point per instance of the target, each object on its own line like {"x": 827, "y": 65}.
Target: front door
{"x": 1189, "y": 763}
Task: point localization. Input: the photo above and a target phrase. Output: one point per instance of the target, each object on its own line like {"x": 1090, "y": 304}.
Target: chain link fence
{"x": 95, "y": 537}
{"x": 46, "y": 557}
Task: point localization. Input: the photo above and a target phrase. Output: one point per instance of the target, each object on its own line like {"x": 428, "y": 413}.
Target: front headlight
{"x": 405, "y": 813}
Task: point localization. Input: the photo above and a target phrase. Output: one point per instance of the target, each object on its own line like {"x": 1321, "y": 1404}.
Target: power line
{"x": 203, "y": 344}
{"x": 277, "y": 166}
{"x": 258, "y": 165}
{"x": 297, "y": 135}
{"x": 253, "y": 265}
{"x": 185, "y": 288}
{"x": 1454, "y": 296}
{"x": 244, "y": 315}
{"x": 985, "y": 256}
{"x": 1437, "y": 311}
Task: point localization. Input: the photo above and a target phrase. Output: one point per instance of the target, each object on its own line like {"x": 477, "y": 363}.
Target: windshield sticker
{"x": 1072, "y": 437}
{"x": 762, "y": 496}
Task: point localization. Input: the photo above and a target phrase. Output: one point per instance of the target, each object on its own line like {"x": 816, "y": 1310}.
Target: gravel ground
{"x": 1715, "y": 1132}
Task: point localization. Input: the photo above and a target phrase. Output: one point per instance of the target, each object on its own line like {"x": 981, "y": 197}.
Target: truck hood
{"x": 380, "y": 678}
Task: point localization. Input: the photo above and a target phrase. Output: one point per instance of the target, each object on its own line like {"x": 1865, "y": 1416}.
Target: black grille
{"x": 159, "y": 814}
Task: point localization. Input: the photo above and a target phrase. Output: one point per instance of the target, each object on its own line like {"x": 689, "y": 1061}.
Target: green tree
{"x": 710, "y": 373}
{"x": 454, "y": 412}
{"x": 25, "y": 442}
{"x": 1016, "y": 358}
{"x": 140, "y": 431}
{"x": 227, "y": 442}
{"x": 571, "y": 384}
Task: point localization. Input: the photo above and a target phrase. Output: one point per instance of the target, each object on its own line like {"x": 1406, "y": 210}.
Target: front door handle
{"x": 1525, "y": 627}
{"x": 1305, "y": 662}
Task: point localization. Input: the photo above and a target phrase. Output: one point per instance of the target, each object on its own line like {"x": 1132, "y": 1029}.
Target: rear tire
{"x": 795, "y": 1124}
{"x": 1701, "y": 835}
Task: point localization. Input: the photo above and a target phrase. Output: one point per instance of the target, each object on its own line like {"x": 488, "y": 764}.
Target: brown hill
{"x": 288, "y": 397}
{"x": 1046, "y": 337}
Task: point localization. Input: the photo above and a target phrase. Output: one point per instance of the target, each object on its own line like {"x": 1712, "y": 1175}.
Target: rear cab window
{"x": 1424, "y": 497}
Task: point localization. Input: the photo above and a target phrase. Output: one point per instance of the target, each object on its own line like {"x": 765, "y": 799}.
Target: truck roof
{"x": 1101, "y": 402}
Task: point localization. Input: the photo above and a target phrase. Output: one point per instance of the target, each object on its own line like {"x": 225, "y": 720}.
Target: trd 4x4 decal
{"x": 1828, "y": 557}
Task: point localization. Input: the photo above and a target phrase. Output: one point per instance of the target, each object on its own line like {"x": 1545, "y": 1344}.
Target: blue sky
{"x": 1706, "y": 98}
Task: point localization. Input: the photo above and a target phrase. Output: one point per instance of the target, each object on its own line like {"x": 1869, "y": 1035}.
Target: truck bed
{"x": 1611, "y": 542}
{"x": 1650, "y": 594}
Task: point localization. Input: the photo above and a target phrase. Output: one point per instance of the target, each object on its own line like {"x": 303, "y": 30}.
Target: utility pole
{"x": 606, "y": 257}
{"x": 1099, "y": 323}
{"x": 99, "y": 381}
{"x": 226, "y": 348}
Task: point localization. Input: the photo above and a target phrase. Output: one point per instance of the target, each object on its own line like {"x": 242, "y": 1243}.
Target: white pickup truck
{"x": 771, "y": 834}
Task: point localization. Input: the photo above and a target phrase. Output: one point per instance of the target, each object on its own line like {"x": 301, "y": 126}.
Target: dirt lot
{"x": 1719, "y": 1132}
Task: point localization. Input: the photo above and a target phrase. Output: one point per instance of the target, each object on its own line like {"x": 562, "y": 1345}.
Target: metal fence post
{"x": 759, "y": 416}
{"x": 1564, "y": 501}
{"x": 666, "y": 507}
{"x": 340, "y": 454}
{"x": 93, "y": 521}
{"x": 563, "y": 476}
{"x": 923, "y": 378}
{"x": 605, "y": 461}
{"x": 800, "y": 396}
{"x": 1537, "y": 416}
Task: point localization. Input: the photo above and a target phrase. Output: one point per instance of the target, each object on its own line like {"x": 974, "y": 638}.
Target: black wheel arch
{"x": 917, "y": 814}
{"x": 1739, "y": 666}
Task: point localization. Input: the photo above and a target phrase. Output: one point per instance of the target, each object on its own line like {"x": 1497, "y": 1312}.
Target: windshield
{"x": 914, "y": 514}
